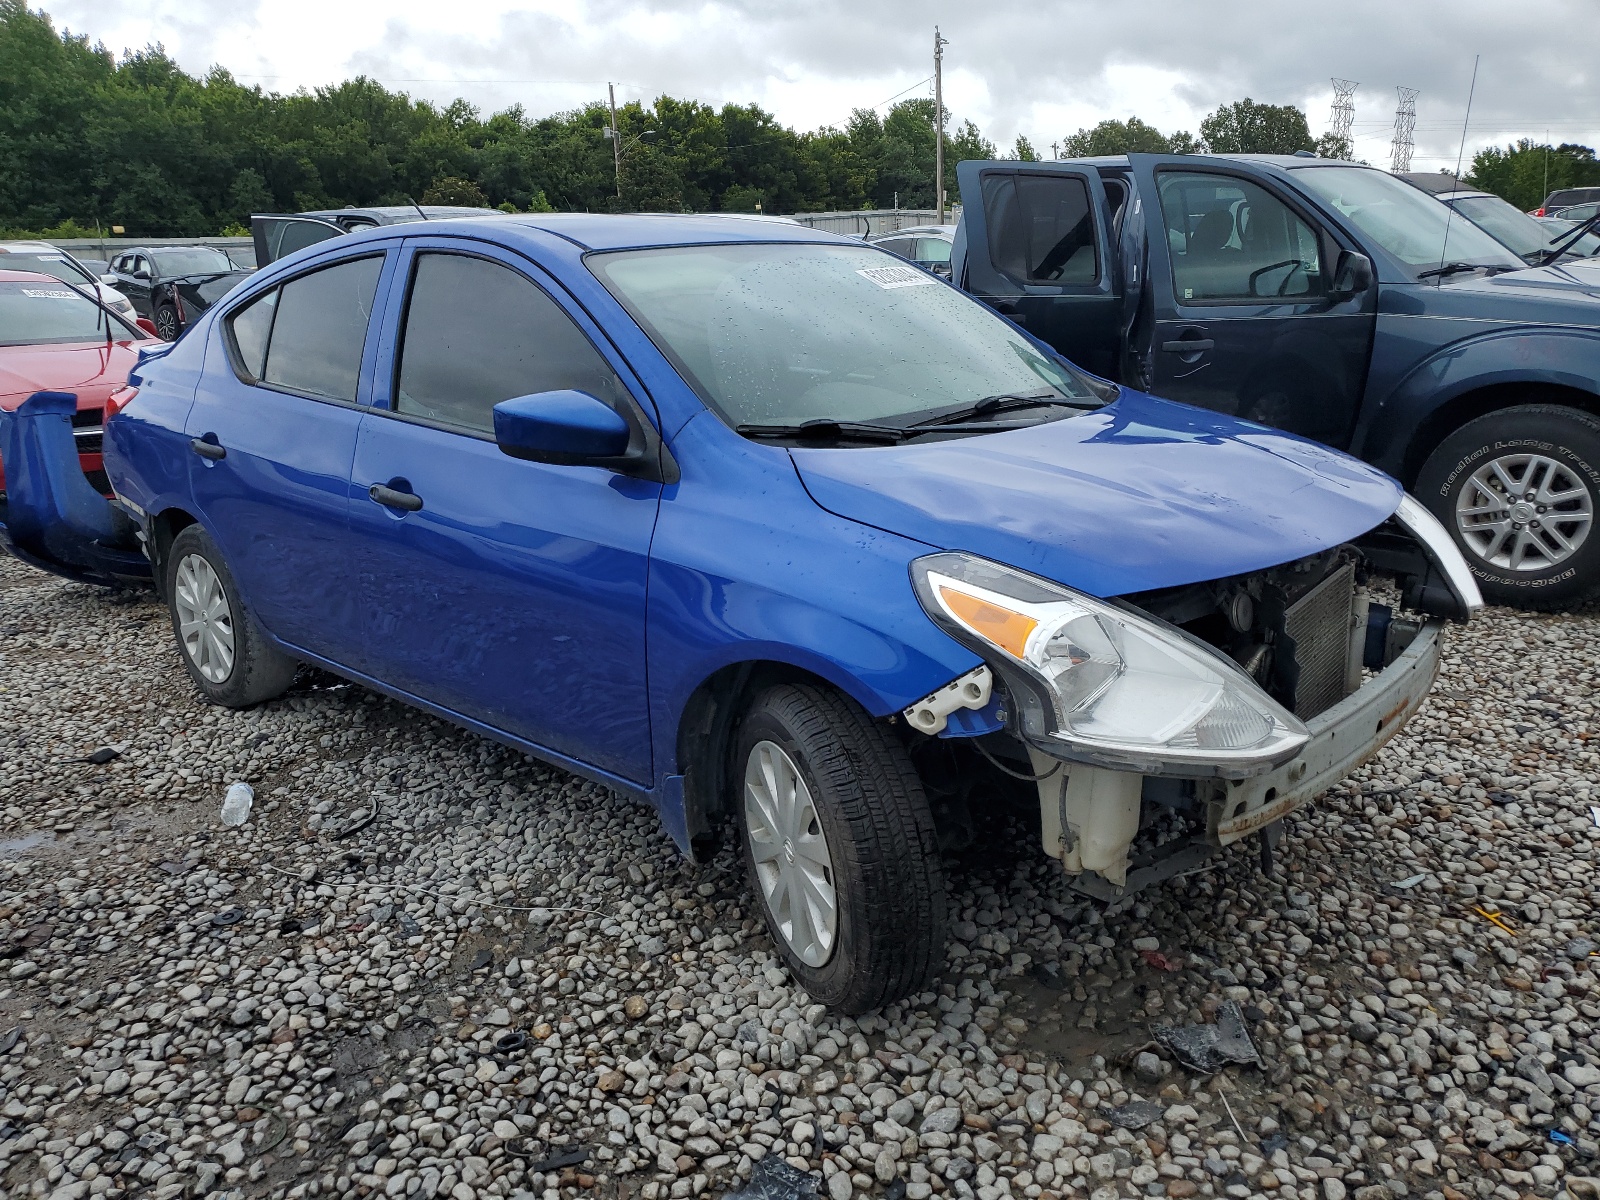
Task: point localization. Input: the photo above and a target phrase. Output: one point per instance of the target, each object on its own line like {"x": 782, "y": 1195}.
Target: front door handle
{"x": 1187, "y": 345}
{"x": 390, "y": 498}
{"x": 207, "y": 449}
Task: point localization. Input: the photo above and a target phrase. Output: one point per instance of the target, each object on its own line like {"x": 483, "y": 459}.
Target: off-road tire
{"x": 1568, "y": 436}
{"x": 888, "y": 878}
{"x": 168, "y": 327}
{"x": 260, "y": 670}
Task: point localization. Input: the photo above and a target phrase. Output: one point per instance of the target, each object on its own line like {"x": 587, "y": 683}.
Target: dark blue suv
{"x": 780, "y": 534}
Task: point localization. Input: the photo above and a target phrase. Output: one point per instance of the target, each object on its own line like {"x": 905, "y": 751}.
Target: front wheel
{"x": 1519, "y": 489}
{"x": 167, "y": 325}
{"x": 841, "y": 849}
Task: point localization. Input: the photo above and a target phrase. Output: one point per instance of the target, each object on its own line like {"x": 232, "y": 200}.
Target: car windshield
{"x": 1407, "y": 222}
{"x": 195, "y": 260}
{"x": 57, "y": 265}
{"x": 780, "y": 334}
{"x": 1585, "y": 247}
{"x": 1515, "y": 229}
{"x": 35, "y": 313}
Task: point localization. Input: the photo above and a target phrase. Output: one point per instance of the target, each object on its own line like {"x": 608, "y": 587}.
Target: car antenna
{"x": 1444, "y": 246}
{"x": 418, "y": 207}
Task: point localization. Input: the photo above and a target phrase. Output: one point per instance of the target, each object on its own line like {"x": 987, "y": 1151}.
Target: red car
{"x": 54, "y": 337}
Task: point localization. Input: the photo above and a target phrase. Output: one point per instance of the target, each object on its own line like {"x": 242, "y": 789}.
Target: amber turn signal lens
{"x": 1006, "y": 629}
{"x": 117, "y": 401}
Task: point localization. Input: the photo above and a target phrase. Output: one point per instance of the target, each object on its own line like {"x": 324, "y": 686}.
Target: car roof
{"x": 19, "y": 244}
{"x": 627, "y": 231}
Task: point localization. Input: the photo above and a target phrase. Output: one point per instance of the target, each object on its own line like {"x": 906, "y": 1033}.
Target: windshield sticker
{"x": 897, "y": 277}
{"x": 50, "y": 294}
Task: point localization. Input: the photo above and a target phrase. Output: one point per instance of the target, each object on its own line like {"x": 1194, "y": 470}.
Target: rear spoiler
{"x": 52, "y": 517}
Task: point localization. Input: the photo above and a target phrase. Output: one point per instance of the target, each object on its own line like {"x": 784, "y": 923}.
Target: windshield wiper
{"x": 1560, "y": 245}
{"x": 825, "y": 429}
{"x": 1005, "y": 401}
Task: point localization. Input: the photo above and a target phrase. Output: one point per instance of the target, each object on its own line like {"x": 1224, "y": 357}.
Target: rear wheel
{"x": 841, "y": 849}
{"x": 1519, "y": 490}
{"x": 224, "y": 651}
{"x": 167, "y": 324}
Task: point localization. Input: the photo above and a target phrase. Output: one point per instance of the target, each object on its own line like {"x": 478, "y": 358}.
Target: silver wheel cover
{"x": 205, "y": 622}
{"x": 793, "y": 865}
{"x": 1524, "y": 512}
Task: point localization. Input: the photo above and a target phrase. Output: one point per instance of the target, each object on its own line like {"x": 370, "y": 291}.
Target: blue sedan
{"x": 777, "y": 533}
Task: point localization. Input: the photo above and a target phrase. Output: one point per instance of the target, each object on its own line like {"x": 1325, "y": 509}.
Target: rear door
{"x": 1038, "y": 250}
{"x": 280, "y": 234}
{"x": 1240, "y": 292}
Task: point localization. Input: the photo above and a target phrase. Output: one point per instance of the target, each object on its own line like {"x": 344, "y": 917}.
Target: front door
{"x": 277, "y": 235}
{"x": 272, "y": 435}
{"x": 135, "y": 282}
{"x": 507, "y": 591}
{"x": 1245, "y": 317}
{"x": 1038, "y": 250}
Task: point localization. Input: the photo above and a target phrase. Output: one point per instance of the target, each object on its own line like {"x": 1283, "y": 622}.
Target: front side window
{"x": 932, "y": 250}
{"x": 1230, "y": 239}
{"x": 477, "y": 333}
{"x": 1041, "y": 228}
{"x": 320, "y": 328}
{"x": 793, "y": 332}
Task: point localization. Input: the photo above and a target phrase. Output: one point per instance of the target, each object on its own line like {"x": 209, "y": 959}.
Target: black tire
{"x": 168, "y": 327}
{"x": 887, "y": 877}
{"x": 1568, "y": 438}
{"x": 257, "y": 670}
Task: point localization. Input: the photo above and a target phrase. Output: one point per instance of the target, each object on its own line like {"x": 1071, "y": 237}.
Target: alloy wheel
{"x": 205, "y": 621}
{"x": 1524, "y": 512}
{"x": 167, "y": 324}
{"x": 793, "y": 864}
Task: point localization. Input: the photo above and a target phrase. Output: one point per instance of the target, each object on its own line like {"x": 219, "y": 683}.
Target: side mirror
{"x": 1354, "y": 275}
{"x": 146, "y": 324}
{"x": 565, "y": 427}
{"x": 109, "y": 280}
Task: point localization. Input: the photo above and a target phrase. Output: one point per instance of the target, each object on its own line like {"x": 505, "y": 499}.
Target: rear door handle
{"x": 390, "y": 498}
{"x": 1187, "y": 345}
{"x": 207, "y": 449}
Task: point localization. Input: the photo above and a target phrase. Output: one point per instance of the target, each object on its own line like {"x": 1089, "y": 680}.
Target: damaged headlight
{"x": 1097, "y": 683}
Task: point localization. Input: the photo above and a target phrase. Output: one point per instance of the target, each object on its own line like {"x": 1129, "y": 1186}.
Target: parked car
{"x": 1333, "y": 300}
{"x": 1529, "y": 238}
{"x": 1578, "y": 212}
{"x": 172, "y": 285}
{"x": 59, "y": 340}
{"x": 1565, "y": 198}
{"x": 778, "y": 533}
{"x": 59, "y": 264}
{"x": 279, "y": 234}
{"x": 926, "y": 245}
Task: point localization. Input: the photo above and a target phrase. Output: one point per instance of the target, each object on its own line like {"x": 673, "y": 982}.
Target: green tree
{"x": 1329, "y": 146}
{"x": 1023, "y": 151}
{"x": 451, "y": 190}
{"x": 1132, "y": 136}
{"x": 1527, "y": 172}
{"x": 1248, "y": 127}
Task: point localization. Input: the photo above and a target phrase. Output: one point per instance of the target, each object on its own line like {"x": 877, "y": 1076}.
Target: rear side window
{"x": 1041, "y": 228}
{"x": 1230, "y": 239}
{"x": 319, "y": 329}
{"x": 477, "y": 333}
{"x": 251, "y": 326}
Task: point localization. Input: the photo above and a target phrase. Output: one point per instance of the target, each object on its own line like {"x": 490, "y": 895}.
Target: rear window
{"x": 33, "y": 314}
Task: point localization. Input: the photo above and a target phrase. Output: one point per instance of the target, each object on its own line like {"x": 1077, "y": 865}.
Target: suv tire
{"x": 223, "y": 649}
{"x": 1519, "y": 490}
{"x": 166, "y": 322}
{"x": 831, "y": 809}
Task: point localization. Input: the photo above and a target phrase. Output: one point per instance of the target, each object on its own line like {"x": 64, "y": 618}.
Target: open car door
{"x": 1037, "y": 248}
{"x": 279, "y": 234}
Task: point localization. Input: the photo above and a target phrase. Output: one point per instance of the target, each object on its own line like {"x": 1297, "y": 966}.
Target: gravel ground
{"x": 428, "y": 967}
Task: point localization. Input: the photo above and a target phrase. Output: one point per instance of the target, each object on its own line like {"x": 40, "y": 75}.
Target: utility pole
{"x": 1055, "y": 150}
{"x": 939, "y": 44}
{"x": 616, "y": 141}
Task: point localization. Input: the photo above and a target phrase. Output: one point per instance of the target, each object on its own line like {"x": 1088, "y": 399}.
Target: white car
{"x": 54, "y": 261}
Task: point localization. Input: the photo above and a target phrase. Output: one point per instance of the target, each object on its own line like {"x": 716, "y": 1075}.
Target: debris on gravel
{"x": 509, "y": 985}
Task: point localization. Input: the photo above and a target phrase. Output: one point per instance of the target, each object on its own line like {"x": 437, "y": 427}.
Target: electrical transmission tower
{"x": 1405, "y": 125}
{"x": 1343, "y": 116}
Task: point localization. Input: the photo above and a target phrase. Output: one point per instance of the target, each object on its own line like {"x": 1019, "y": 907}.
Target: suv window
{"x": 1230, "y": 239}
{"x": 477, "y": 333}
{"x": 319, "y": 330}
{"x": 1041, "y": 228}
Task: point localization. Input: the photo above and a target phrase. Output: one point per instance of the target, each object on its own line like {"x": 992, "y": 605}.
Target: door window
{"x": 1230, "y": 239}
{"x": 932, "y": 250}
{"x": 285, "y": 237}
{"x": 477, "y": 333}
{"x": 318, "y": 332}
{"x": 251, "y": 326}
{"x": 1041, "y": 228}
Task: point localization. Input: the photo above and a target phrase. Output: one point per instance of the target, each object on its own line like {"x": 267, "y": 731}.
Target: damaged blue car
{"x": 788, "y": 538}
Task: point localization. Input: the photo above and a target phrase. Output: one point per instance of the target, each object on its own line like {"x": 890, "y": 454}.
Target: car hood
{"x": 1141, "y": 494}
{"x": 1570, "y": 280}
{"x": 91, "y": 369}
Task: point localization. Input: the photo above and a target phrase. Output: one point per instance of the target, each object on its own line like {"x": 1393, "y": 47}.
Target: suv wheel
{"x": 841, "y": 849}
{"x": 1519, "y": 489}
{"x": 223, "y": 649}
{"x": 166, "y": 321}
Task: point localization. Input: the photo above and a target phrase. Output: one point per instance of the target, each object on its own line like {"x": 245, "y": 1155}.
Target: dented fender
{"x": 53, "y": 518}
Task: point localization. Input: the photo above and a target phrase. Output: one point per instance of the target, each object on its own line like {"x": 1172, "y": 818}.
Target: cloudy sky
{"x": 1042, "y": 68}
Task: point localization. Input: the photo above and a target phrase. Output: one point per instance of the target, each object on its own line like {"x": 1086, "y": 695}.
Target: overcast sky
{"x": 1035, "y": 67}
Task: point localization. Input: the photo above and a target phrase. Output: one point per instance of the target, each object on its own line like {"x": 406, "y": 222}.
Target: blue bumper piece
{"x": 52, "y": 518}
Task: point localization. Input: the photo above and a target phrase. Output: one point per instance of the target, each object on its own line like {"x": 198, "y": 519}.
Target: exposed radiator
{"x": 1318, "y": 627}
